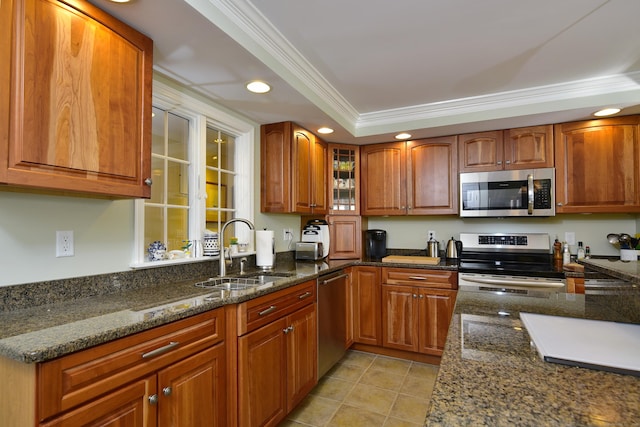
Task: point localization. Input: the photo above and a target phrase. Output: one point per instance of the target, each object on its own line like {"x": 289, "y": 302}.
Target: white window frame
{"x": 201, "y": 114}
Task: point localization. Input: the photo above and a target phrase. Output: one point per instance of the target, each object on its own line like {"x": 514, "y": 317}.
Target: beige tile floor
{"x": 365, "y": 389}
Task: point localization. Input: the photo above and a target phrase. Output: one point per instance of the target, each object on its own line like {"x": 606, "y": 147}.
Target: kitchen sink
{"x": 230, "y": 283}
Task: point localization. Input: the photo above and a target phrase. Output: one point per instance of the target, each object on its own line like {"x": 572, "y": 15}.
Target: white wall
{"x": 412, "y": 232}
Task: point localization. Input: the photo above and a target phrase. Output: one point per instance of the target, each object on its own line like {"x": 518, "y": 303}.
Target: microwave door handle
{"x": 530, "y": 194}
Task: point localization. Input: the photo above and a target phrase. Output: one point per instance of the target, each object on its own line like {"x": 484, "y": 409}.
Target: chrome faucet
{"x": 223, "y": 266}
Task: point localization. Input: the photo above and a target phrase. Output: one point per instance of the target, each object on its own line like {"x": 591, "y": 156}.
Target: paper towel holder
{"x": 265, "y": 255}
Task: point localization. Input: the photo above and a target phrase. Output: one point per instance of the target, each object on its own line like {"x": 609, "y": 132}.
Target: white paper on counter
{"x": 595, "y": 344}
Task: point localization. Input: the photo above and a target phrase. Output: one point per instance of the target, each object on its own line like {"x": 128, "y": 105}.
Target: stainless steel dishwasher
{"x": 332, "y": 319}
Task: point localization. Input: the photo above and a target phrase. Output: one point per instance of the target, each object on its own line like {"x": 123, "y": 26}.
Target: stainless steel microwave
{"x": 528, "y": 192}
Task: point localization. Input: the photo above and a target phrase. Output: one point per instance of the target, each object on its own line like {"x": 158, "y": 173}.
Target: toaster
{"x": 309, "y": 250}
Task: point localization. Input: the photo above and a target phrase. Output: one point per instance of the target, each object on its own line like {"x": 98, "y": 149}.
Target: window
{"x": 202, "y": 171}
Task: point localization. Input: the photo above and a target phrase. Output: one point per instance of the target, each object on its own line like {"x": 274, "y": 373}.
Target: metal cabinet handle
{"x": 530, "y": 194}
{"x": 288, "y": 329}
{"x": 418, "y": 278}
{"x": 148, "y": 181}
{"x": 153, "y": 399}
{"x": 415, "y": 296}
{"x": 305, "y": 295}
{"x": 421, "y": 296}
{"x": 161, "y": 350}
{"x": 267, "y": 311}
{"x": 324, "y": 282}
{"x": 167, "y": 391}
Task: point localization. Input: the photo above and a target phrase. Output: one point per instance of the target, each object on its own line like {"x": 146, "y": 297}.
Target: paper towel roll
{"x": 265, "y": 248}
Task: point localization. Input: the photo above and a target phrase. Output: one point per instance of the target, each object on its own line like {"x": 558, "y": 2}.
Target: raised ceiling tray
{"x": 405, "y": 259}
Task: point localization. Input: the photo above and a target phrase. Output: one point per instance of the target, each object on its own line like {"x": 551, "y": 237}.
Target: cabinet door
{"x": 192, "y": 392}
{"x": 301, "y": 181}
{"x": 384, "y": 179}
{"x": 345, "y": 236}
{"x": 436, "y": 309}
{"x": 262, "y": 375}
{"x": 302, "y": 354}
{"x": 366, "y": 305}
{"x": 319, "y": 170}
{"x": 275, "y": 167}
{"x": 432, "y": 184}
{"x": 128, "y": 406}
{"x": 344, "y": 179}
{"x": 400, "y": 317}
{"x": 598, "y": 166}
{"x": 529, "y": 147}
{"x": 76, "y": 100}
{"x": 480, "y": 151}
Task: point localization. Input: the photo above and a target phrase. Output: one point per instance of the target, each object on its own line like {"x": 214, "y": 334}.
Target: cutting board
{"x": 405, "y": 259}
{"x": 594, "y": 344}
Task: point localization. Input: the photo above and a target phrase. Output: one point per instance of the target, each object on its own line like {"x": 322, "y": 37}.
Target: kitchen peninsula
{"x": 490, "y": 375}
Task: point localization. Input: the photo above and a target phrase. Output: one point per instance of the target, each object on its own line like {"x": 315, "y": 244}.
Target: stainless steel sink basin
{"x": 230, "y": 283}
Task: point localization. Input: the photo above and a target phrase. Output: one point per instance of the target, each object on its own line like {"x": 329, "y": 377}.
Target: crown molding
{"x": 248, "y": 27}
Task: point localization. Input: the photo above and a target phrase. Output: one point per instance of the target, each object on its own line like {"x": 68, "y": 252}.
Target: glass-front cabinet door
{"x": 344, "y": 179}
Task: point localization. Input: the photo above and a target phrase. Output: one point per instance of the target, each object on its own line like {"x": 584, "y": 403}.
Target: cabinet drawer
{"x": 70, "y": 380}
{"x": 441, "y": 279}
{"x": 260, "y": 311}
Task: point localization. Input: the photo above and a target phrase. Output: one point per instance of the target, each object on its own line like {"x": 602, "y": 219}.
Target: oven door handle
{"x": 515, "y": 282}
{"x": 530, "y": 194}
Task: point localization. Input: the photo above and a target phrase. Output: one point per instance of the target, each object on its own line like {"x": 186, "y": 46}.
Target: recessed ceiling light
{"x": 606, "y": 112}
{"x": 257, "y": 86}
{"x": 120, "y": 1}
{"x": 325, "y": 130}
{"x": 403, "y": 136}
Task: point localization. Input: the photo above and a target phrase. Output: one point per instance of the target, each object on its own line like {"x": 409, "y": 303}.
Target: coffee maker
{"x": 375, "y": 244}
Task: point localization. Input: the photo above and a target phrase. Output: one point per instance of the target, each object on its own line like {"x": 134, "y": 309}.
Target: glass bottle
{"x": 566, "y": 255}
{"x": 581, "y": 253}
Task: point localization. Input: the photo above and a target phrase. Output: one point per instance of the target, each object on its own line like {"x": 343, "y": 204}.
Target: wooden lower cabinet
{"x": 416, "y": 317}
{"x": 276, "y": 367}
{"x": 172, "y": 375}
{"x": 188, "y": 393}
{"x": 124, "y": 407}
{"x": 366, "y": 305}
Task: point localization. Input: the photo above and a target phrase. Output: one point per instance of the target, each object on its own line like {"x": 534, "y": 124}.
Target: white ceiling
{"x": 373, "y": 68}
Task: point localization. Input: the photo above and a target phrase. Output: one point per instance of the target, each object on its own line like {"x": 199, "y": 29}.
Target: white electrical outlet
{"x": 64, "y": 243}
{"x": 287, "y": 234}
{"x": 431, "y": 233}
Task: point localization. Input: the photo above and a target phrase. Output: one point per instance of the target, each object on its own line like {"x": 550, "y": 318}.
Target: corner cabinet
{"x": 410, "y": 178}
{"x": 293, "y": 170}
{"x": 344, "y": 179}
{"x": 365, "y": 283}
{"x": 521, "y": 148}
{"x": 598, "y": 166}
{"x": 75, "y": 100}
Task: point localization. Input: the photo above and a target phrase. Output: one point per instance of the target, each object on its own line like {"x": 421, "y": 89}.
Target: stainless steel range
{"x": 509, "y": 262}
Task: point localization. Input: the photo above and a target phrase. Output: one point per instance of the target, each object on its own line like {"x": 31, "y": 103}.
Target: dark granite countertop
{"x": 47, "y": 331}
{"x": 42, "y": 332}
{"x": 490, "y": 375}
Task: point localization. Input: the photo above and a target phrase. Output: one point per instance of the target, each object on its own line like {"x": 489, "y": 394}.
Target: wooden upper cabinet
{"x": 432, "y": 184}
{"x": 293, "y": 170}
{"x": 480, "y": 151}
{"x": 529, "y": 147}
{"x": 521, "y": 148}
{"x": 598, "y": 166}
{"x": 345, "y": 233}
{"x": 75, "y": 100}
{"x": 383, "y": 176}
{"x": 416, "y": 177}
{"x": 344, "y": 179}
